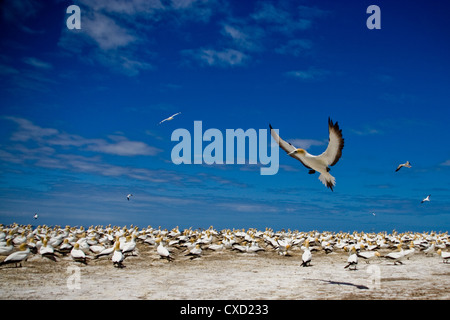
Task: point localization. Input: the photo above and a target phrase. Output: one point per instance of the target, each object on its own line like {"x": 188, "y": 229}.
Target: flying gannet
{"x": 406, "y": 165}
{"x": 170, "y": 118}
{"x": 35, "y": 216}
{"x": 319, "y": 163}
{"x": 426, "y": 199}
{"x": 128, "y": 196}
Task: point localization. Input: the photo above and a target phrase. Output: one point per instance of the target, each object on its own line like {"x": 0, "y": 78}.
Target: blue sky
{"x": 79, "y": 112}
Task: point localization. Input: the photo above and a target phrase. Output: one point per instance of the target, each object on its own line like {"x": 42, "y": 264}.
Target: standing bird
{"x": 406, "y": 165}
{"x": 117, "y": 257}
{"x": 77, "y": 254}
{"x": 306, "y": 256}
{"x": 444, "y": 255}
{"x": 352, "y": 259}
{"x": 426, "y": 199}
{"x": 128, "y": 196}
{"x": 162, "y": 251}
{"x": 170, "y": 118}
{"x": 18, "y": 256}
{"x": 321, "y": 162}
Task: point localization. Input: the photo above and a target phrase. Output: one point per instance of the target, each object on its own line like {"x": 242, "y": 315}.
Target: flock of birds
{"x": 20, "y": 242}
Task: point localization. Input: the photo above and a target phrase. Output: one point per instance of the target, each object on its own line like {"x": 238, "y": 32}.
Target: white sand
{"x": 227, "y": 275}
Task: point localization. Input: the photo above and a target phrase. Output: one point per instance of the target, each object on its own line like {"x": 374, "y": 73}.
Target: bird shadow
{"x": 341, "y": 283}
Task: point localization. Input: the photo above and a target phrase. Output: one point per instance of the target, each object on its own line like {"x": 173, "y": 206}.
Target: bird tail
{"x": 328, "y": 180}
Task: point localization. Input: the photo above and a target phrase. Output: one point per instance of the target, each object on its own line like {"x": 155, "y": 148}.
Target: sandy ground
{"x": 227, "y": 275}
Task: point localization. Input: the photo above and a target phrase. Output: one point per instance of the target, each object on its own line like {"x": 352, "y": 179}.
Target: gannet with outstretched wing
{"x": 170, "y": 118}
{"x": 322, "y": 162}
{"x": 406, "y": 165}
{"x": 426, "y": 199}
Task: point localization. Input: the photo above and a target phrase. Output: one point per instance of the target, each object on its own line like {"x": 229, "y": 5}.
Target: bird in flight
{"x": 170, "y": 118}
{"x": 128, "y": 196}
{"x": 35, "y": 216}
{"x": 426, "y": 199}
{"x": 406, "y": 165}
{"x": 322, "y": 162}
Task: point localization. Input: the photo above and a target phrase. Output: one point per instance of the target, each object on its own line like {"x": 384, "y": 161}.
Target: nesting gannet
{"x": 105, "y": 252}
{"x": 444, "y": 255}
{"x": 195, "y": 252}
{"x": 128, "y": 196}
{"x": 78, "y": 255}
{"x": 406, "y": 165}
{"x": 219, "y": 246}
{"x": 352, "y": 259}
{"x": 322, "y": 162}
{"x": 163, "y": 251}
{"x": 129, "y": 246}
{"x": 47, "y": 250}
{"x": 409, "y": 252}
{"x": 18, "y": 256}
{"x": 397, "y": 256}
{"x": 65, "y": 247}
{"x": 117, "y": 257}
{"x": 170, "y": 118}
{"x": 7, "y": 249}
{"x": 368, "y": 255}
{"x": 306, "y": 256}
{"x": 426, "y": 199}
{"x": 430, "y": 249}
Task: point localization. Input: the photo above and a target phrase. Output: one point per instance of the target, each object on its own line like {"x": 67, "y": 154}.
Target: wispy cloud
{"x": 310, "y": 74}
{"x": 306, "y": 143}
{"x": 365, "y": 131}
{"x": 270, "y": 27}
{"x": 222, "y": 58}
{"x": 38, "y": 63}
{"x": 446, "y": 163}
{"x": 115, "y": 145}
{"x": 295, "y": 47}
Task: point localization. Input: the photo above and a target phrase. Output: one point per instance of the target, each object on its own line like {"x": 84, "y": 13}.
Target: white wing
{"x": 335, "y": 145}
{"x": 286, "y": 146}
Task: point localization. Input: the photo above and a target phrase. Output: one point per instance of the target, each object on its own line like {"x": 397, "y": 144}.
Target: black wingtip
{"x": 270, "y": 126}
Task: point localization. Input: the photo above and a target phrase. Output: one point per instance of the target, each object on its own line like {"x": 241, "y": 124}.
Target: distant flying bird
{"x": 321, "y": 162}
{"x": 426, "y": 199}
{"x": 406, "y": 165}
{"x": 170, "y": 118}
{"x": 373, "y": 213}
{"x": 128, "y": 196}
{"x": 35, "y": 216}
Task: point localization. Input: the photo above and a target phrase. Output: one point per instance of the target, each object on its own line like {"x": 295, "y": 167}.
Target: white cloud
{"x": 306, "y": 143}
{"x": 223, "y": 58}
{"x": 38, "y": 63}
{"x": 295, "y": 47}
{"x": 311, "y": 74}
{"x": 49, "y": 137}
{"x": 446, "y": 163}
{"x": 105, "y": 31}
